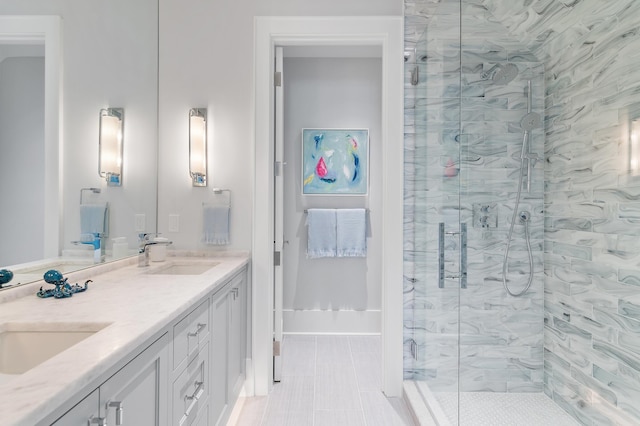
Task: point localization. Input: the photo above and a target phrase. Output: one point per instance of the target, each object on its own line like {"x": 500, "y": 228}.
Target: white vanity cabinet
{"x": 237, "y": 335}
{"x": 228, "y": 341}
{"x": 135, "y": 395}
{"x": 191, "y": 391}
{"x": 190, "y": 376}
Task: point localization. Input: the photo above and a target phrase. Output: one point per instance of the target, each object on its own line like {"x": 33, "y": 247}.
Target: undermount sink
{"x": 24, "y": 346}
{"x": 183, "y": 268}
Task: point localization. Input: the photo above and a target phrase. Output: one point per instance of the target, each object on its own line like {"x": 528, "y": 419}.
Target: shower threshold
{"x": 482, "y": 408}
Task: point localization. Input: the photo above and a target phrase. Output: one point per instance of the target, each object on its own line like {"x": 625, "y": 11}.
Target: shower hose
{"x": 524, "y": 219}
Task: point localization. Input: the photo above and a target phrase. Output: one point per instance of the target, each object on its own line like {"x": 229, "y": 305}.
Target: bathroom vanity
{"x": 163, "y": 345}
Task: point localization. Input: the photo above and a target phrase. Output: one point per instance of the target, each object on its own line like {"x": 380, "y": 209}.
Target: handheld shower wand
{"x": 530, "y": 121}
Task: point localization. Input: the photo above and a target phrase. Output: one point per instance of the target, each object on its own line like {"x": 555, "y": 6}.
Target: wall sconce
{"x": 110, "y": 145}
{"x": 198, "y": 146}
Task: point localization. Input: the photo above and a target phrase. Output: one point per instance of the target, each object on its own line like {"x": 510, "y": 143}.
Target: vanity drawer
{"x": 190, "y": 333}
{"x": 191, "y": 390}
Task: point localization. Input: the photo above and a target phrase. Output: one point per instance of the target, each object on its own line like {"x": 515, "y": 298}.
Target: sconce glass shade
{"x": 634, "y": 146}
{"x": 110, "y": 145}
{"x": 198, "y": 146}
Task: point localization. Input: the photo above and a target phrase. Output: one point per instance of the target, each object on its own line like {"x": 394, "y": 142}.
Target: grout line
{"x": 315, "y": 380}
{"x": 264, "y": 410}
{"x": 263, "y": 418}
{"x": 355, "y": 374}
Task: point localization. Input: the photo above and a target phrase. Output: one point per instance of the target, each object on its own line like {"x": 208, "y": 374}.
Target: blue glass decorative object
{"x": 63, "y": 288}
{"x": 5, "y": 276}
{"x": 53, "y": 276}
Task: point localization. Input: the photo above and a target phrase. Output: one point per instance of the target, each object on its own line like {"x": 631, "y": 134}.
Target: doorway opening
{"x": 333, "y": 94}
{"x": 386, "y": 33}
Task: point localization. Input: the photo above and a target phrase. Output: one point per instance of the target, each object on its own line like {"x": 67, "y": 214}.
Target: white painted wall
{"x": 331, "y": 93}
{"x": 109, "y": 59}
{"x": 206, "y": 60}
{"x": 21, "y": 159}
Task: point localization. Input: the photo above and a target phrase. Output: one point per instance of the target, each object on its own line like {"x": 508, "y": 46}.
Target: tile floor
{"x": 503, "y": 409}
{"x": 327, "y": 380}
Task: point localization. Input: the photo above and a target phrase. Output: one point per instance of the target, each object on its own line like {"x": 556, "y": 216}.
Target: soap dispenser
{"x": 97, "y": 250}
{"x": 94, "y": 240}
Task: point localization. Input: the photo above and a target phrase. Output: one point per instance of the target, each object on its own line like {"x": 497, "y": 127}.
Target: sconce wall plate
{"x": 198, "y": 146}
{"x": 110, "y": 144}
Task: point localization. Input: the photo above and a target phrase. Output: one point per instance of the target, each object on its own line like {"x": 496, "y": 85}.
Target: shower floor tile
{"x": 503, "y": 409}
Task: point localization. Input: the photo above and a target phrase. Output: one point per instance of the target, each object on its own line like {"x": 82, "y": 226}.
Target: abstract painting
{"x": 335, "y": 161}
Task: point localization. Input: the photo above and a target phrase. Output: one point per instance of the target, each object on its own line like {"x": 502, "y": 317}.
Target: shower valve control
{"x": 485, "y": 215}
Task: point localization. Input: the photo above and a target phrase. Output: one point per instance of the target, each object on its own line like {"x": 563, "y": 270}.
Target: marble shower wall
{"x": 591, "y": 52}
{"x": 591, "y": 49}
{"x": 463, "y": 144}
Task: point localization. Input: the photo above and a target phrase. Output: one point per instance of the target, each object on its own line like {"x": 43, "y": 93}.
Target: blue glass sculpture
{"x": 62, "y": 289}
{"x": 5, "y": 276}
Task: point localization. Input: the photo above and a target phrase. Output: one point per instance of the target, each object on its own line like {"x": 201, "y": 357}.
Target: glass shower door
{"x": 439, "y": 236}
{"x": 477, "y": 214}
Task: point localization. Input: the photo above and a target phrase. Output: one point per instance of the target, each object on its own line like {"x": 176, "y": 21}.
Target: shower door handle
{"x": 463, "y": 255}
{"x": 441, "y": 256}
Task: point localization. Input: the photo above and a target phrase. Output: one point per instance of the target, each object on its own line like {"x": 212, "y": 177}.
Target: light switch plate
{"x": 174, "y": 223}
{"x": 140, "y": 222}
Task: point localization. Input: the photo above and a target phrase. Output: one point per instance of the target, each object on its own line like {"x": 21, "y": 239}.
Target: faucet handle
{"x": 145, "y": 236}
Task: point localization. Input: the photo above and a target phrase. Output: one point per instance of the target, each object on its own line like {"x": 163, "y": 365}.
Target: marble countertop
{"x": 136, "y": 305}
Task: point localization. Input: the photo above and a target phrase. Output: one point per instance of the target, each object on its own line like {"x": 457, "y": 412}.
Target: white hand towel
{"x": 351, "y": 233}
{"x": 93, "y": 218}
{"x": 321, "y": 233}
{"x": 216, "y": 224}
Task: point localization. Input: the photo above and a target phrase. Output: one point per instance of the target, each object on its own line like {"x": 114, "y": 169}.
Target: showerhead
{"x": 502, "y": 74}
{"x": 531, "y": 121}
{"x": 505, "y": 74}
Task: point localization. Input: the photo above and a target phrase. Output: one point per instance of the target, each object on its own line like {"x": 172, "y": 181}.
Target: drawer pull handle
{"x": 235, "y": 292}
{"x": 198, "y": 330}
{"x": 119, "y": 411}
{"x": 194, "y": 399}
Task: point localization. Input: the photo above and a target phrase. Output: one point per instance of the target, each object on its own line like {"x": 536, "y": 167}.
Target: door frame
{"x": 383, "y": 31}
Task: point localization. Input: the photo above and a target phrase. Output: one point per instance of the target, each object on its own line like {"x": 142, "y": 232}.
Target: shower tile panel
{"x": 627, "y": 373}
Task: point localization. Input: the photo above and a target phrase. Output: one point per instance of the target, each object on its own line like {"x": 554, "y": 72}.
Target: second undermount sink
{"x": 183, "y": 268}
{"x": 24, "y": 346}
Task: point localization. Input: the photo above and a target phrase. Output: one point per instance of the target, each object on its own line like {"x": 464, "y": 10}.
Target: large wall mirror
{"x": 61, "y": 63}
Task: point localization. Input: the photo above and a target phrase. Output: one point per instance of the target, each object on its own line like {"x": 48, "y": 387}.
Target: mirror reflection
{"x": 22, "y": 148}
{"x": 110, "y": 61}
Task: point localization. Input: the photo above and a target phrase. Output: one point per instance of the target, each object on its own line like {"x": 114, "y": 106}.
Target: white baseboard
{"x": 248, "y": 389}
{"x": 331, "y": 322}
{"x": 236, "y": 411}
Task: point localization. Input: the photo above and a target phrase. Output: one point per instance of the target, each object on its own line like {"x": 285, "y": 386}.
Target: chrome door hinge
{"x": 278, "y": 167}
{"x": 276, "y": 348}
{"x": 277, "y": 79}
{"x": 276, "y": 258}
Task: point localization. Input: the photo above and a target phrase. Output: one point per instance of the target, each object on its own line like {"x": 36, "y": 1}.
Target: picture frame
{"x": 335, "y": 161}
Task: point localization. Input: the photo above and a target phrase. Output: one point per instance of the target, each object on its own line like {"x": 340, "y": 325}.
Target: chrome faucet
{"x": 144, "y": 241}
